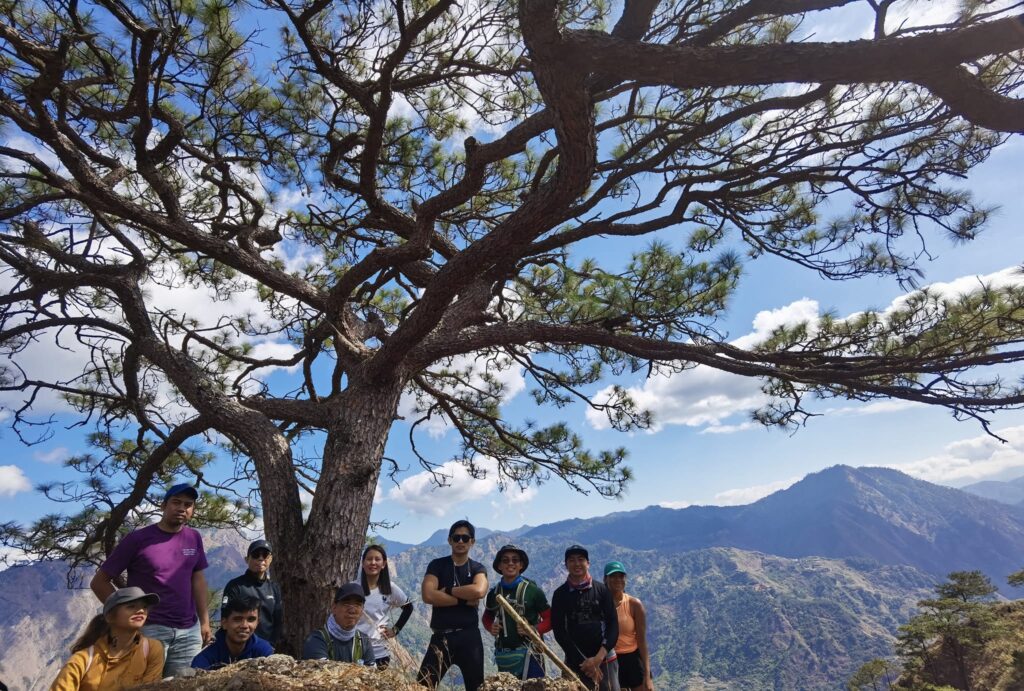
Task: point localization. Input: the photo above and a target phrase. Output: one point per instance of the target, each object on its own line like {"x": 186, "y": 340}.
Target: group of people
{"x": 158, "y": 625}
{"x": 601, "y": 629}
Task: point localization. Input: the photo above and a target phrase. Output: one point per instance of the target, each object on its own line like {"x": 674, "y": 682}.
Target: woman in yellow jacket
{"x": 112, "y": 654}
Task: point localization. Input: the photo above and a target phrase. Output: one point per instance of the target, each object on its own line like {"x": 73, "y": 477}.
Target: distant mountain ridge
{"x": 841, "y": 512}
{"x": 1008, "y": 492}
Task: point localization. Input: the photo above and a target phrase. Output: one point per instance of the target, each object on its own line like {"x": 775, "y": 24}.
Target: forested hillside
{"x": 733, "y": 619}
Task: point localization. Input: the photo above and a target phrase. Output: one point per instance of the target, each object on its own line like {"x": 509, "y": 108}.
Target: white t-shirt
{"x": 375, "y": 615}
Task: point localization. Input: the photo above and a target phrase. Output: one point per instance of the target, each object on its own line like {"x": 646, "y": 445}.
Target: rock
{"x": 282, "y": 673}
{"x": 506, "y": 682}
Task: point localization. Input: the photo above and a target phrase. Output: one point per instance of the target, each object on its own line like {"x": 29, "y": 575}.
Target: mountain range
{"x": 794, "y": 591}
{"x": 1007, "y": 492}
{"x": 873, "y": 513}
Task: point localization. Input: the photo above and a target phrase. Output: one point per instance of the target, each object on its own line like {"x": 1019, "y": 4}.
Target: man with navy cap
{"x": 585, "y": 623}
{"x": 339, "y": 639}
{"x": 256, "y": 583}
{"x": 166, "y": 558}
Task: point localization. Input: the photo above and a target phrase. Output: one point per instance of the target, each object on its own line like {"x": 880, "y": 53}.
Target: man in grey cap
{"x": 256, "y": 583}
{"x": 339, "y": 639}
{"x": 166, "y": 558}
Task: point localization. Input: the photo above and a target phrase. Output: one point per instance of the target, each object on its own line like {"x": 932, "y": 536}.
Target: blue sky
{"x": 701, "y": 452}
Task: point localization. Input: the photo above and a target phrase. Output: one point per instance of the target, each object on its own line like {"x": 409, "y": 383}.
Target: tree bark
{"x": 327, "y": 553}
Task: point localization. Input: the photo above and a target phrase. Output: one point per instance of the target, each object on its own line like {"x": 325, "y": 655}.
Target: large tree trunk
{"x": 282, "y": 511}
{"x": 328, "y": 552}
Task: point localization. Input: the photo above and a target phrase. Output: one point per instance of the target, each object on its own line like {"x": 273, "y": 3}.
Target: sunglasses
{"x": 260, "y": 555}
{"x": 460, "y": 537}
{"x": 509, "y": 560}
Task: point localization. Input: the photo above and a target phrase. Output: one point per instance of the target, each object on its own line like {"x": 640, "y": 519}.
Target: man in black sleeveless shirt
{"x": 453, "y": 587}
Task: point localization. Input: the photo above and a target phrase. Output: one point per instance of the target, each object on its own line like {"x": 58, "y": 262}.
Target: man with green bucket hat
{"x": 512, "y": 650}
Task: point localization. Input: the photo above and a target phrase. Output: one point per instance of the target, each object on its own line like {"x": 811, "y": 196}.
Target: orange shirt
{"x": 627, "y": 627}
{"x": 106, "y": 673}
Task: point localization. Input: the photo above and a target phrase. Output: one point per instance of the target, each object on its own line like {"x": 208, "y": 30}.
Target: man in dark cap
{"x": 166, "y": 558}
{"x": 585, "y": 623}
{"x": 256, "y": 583}
{"x": 512, "y": 650}
{"x": 339, "y": 639}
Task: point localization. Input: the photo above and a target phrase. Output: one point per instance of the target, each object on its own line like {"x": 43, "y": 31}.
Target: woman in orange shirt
{"x": 631, "y": 648}
{"x": 112, "y": 654}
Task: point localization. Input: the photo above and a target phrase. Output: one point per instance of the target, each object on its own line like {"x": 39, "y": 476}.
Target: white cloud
{"x": 873, "y": 408}
{"x": 674, "y": 504}
{"x": 766, "y": 321}
{"x": 13, "y": 480}
{"x": 731, "y": 429}
{"x": 421, "y": 494}
{"x": 52, "y": 456}
{"x": 10, "y": 556}
{"x": 706, "y": 397}
{"x": 970, "y": 460}
{"x": 31, "y": 146}
{"x": 747, "y": 495}
{"x": 518, "y": 496}
{"x": 964, "y": 285}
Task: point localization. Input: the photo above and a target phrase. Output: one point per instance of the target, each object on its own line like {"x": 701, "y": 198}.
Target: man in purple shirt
{"x": 166, "y": 558}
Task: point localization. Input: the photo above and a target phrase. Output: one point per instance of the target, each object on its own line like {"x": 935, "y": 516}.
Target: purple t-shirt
{"x": 161, "y": 563}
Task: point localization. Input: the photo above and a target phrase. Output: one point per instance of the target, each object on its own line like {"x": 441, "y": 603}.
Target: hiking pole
{"x": 534, "y": 637}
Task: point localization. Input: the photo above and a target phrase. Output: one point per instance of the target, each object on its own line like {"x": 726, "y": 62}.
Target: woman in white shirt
{"x": 382, "y": 596}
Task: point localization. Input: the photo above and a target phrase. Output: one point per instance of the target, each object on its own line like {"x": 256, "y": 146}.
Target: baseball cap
{"x": 614, "y": 567}
{"x": 256, "y": 546}
{"x": 123, "y": 595}
{"x": 349, "y": 590}
{"x": 577, "y": 549}
{"x": 181, "y": 488}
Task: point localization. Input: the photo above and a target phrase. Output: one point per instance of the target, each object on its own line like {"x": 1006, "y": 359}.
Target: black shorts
{"x": 631, "y": 670}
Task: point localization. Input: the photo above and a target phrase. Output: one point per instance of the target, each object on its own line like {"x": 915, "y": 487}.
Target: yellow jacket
{"x": 106, "y": 673}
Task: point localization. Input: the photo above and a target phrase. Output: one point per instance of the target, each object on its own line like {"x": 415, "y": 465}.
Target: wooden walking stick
{"x": 535, "y": 638}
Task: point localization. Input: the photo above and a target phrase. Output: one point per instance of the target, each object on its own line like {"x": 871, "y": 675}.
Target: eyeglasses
{"x": 460, "y": 537}
{"x": 350, "y": 604}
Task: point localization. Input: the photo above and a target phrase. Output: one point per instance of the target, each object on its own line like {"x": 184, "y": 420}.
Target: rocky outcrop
{"x": 282, "y": 673}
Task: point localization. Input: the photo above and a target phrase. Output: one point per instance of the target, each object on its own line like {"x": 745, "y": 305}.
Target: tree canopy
{"x": 378, "y": 200}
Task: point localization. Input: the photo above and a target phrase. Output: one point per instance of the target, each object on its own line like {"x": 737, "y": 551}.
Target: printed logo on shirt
{"x": 188, "y": 551}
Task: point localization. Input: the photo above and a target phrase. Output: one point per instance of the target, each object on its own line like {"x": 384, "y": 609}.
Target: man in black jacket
{"x": 585, "y": 623}
{"x": 256, "y": 583}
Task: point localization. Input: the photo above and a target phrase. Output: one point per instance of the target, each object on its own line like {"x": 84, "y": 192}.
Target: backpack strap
{"x": 145, "y": 647}
{"x": 88, "y": 660}
{"x": 520, "y": 596}
{"x": 329, "y": 641}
